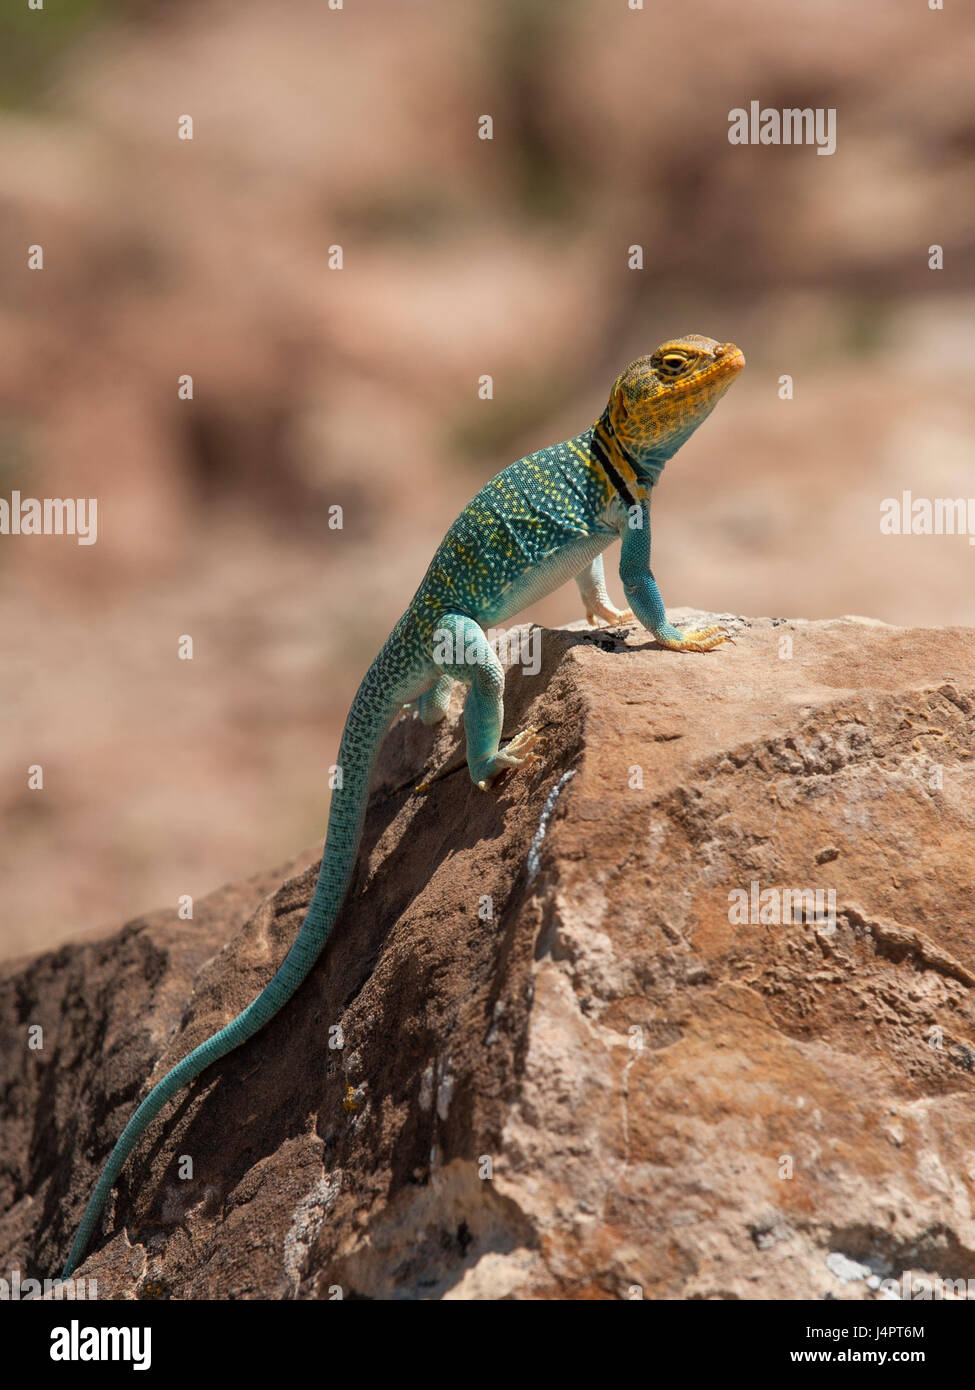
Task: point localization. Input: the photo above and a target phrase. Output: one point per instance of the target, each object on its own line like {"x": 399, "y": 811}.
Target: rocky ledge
{"x": 687, "y": 1010}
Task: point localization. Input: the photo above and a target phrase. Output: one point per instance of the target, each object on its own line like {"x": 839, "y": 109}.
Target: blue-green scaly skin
{"x": 544, "y": 520}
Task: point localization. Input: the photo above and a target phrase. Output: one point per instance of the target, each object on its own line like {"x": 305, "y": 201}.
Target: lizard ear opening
{"x": 618, "y": 399}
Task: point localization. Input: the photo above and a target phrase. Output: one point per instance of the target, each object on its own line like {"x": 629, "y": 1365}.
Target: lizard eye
{"x": 673, "y": 363}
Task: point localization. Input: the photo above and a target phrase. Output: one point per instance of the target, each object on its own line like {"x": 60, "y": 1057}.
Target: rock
{"x": 603, "y": 1080}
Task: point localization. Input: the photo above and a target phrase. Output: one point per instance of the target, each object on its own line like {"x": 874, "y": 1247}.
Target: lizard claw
{"x": 697, "y": 640}
{"x": 516, "y": 753}
{"x": 611, "y": 616}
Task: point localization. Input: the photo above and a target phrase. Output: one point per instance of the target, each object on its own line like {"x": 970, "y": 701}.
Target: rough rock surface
{"x": 608, "y": 1085}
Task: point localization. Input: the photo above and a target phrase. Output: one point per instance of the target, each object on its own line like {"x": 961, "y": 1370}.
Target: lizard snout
{"x": 731, "y": 355}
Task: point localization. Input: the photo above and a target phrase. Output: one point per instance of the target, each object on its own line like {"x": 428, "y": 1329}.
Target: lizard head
{"x": 659, "y": 400}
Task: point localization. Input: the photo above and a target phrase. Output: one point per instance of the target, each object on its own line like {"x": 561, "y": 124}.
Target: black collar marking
{"x": 614, "y": 477}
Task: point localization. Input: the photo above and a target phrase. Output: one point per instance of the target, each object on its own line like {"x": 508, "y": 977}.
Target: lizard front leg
{"x": 462, "y": 651}
{"x": 592, "y": 587}
{"x": 641, "y": 589}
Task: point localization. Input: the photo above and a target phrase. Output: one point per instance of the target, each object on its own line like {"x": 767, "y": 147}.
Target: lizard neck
{"x": 629, "y": 474}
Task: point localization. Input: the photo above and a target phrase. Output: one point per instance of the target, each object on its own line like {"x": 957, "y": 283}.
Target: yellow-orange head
{"x": 659, "y": 400}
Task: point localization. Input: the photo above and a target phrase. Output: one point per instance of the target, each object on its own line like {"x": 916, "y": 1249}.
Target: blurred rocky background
{"x": 357, "y": 387}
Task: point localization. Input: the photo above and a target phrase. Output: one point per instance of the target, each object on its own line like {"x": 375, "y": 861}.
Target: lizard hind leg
{"x": 463, "y": 653}
{"x": 433, "y": 704}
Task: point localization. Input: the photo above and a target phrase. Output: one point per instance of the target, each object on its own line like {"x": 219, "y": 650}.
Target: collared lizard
{"x": 543, "y": 520}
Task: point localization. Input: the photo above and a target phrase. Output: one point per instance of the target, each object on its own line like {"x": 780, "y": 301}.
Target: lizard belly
{"x": 545, "y": 575}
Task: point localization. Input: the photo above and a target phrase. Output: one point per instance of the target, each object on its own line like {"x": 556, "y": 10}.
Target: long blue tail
{"x": 371, "y": 711}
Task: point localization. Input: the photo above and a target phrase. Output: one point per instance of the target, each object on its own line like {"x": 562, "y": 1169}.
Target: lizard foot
{"x": 517, "y": 753}
{"x": 612, "y": 616}
{"x": 696, "y": 640}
